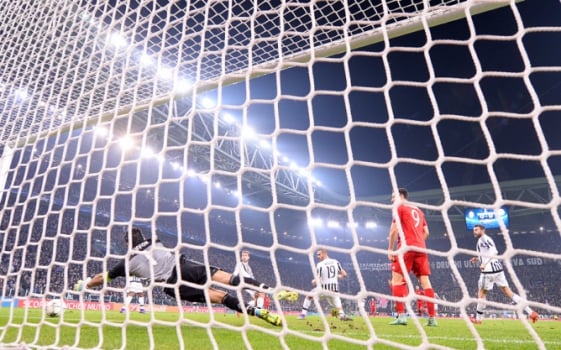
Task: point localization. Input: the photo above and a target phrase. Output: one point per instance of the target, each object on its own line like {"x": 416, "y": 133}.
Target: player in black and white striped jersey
{"x": 327, "y": 285}
{"x": 134, "y": 288}
{"x": 492, "y": 273}
{"x": 244, "y": 270}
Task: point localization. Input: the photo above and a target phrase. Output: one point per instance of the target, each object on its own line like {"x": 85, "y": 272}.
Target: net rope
{"x": 249, "y": 125}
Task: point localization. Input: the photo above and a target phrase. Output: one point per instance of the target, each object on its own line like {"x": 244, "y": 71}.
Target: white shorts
{"x": 333, "y": 299}
{"x": 135, "y": 287}
{"x": 488, "y": 280}
{"x": 251, "y": 292}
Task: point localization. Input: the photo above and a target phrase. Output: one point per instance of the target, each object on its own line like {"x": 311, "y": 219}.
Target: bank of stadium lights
{"x": 334, "y": 224}
{"x": 371, "y": 225}
{"x": 101, "y": 131}
{"x": 127, "y": 143}
{"x": 21, "y": 94}
{"x": 117, "y": 41}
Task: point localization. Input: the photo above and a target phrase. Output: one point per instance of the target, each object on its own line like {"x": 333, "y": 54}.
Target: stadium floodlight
{"x": 165, "y": 73}
{"x": 265, "y": 144}
{"x": 21, "y": 94}
{"x": 182, "y": 86}
{"x": 333, "y": 224}
{"x": 204, "y": 178}
{"x": 208, "y": 102}
{"x": 146, "y": 60}
{"x": 126, "y": 143}
{"x": 117, "y": 40}
{"x": 370, "y": 225}
{"x": 248, "y": 132}
{"x": 228, "y": 118}
{"x": 316, "y": 222}
{"x": 147, "y": 152}
{"x": 100, "y": 131}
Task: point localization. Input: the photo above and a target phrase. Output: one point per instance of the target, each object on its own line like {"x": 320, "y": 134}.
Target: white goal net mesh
{"x": 277, "y": 127}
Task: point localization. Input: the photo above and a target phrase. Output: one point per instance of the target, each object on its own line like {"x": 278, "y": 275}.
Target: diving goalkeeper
{"x": 154, "y": 262}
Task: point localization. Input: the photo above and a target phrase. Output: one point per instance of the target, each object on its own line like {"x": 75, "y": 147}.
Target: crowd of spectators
{"x": 46, "y": 255}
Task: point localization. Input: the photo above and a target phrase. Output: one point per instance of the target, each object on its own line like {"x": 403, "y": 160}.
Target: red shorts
{"x": 415, "y": 262}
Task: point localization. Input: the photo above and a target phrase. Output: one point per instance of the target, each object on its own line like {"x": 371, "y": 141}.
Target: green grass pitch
{"x": 77, "y": 329}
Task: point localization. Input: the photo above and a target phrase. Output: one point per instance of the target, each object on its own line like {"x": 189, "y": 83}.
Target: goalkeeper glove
{"x": 81, "y": 284}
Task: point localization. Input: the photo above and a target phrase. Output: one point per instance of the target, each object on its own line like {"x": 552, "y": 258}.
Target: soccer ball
{"x": 54, "y": 308}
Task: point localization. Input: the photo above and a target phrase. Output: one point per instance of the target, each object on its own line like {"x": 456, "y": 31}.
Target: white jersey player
{"x": 134, "y": 288}
{"x": 492, "y": 273}
{"x": 327, "y": 285}
{"x": 244, "y": 270}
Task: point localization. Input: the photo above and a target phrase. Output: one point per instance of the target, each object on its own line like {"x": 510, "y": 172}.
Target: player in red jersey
{"x": 409, "y": 229}
{"x": 372, "y": 307}
{"x": 420, "y": 302}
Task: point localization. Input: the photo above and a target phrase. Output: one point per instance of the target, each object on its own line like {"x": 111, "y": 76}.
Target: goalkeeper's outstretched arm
{"x": 95, "y": 281}
{"x": 98, "y": 280}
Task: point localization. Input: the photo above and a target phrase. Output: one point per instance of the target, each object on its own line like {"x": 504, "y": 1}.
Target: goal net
{"x": 277, "y": 127}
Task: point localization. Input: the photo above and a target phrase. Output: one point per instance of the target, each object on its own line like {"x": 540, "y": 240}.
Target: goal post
{"x": 279, "y": 128}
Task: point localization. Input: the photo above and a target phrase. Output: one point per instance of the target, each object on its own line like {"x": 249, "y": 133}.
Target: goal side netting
{"x": 277, "y": 128}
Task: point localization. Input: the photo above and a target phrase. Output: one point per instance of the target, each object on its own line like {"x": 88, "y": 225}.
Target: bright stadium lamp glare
{"x": 62, "y": 115}
{"x": 191, "y": 172}
{"x": 126, "y": 143}
{"x": 304, "y": 172}
{"x": 316, "y": 222}
{"x": 147, "y": 152}
{"x": 175, "y": 165}
{"x": 182, "y": 86}
{"x": 217, "y": 185}
{"x": 333, "y": 224}
{"x": 117, "y": 40}
{"x": 204, "y": 178}
{"x": 100, "y": 131}
{"x": 145, "y": 60}
{"x": 208, "y": 102}
{"x": 371, "y": 225}
{"x": 165, "y": 73}
{"x": 228, "y": 118}
{"x": 265, "y": 144}
{"x": 248, "y": 132}
{"x": 21, "y": 94}
{"x": 316, "y": 181}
